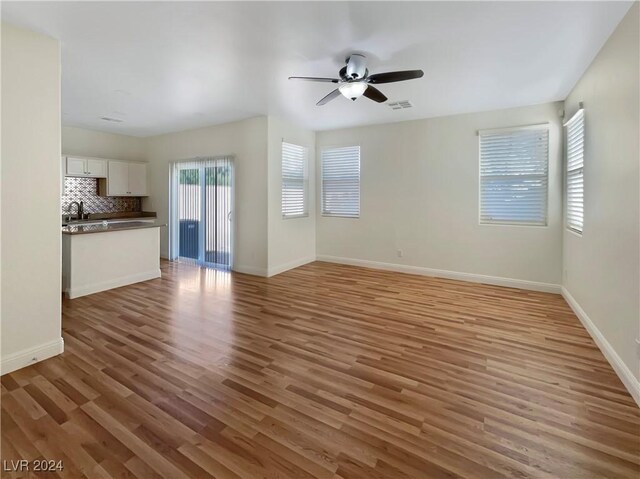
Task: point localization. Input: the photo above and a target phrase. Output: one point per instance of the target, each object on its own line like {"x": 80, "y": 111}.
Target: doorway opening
{"x": 202, "y": 195}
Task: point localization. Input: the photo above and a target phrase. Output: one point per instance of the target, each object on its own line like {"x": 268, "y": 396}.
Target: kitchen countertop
{"x": 118, "y": 216}
{"x": 105, "y": 228}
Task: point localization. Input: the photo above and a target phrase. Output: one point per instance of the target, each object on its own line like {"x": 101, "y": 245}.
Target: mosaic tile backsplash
{"x": 86, "y": 189}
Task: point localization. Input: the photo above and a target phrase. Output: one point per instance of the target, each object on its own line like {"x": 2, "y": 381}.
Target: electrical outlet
{"x": 400, "y": 253}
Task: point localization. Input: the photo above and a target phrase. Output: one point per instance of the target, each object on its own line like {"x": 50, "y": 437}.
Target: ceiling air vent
{"x": 114, "y": 120}
{"x": 400, "y": 105}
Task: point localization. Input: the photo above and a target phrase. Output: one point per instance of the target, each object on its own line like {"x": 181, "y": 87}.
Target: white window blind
{"x": 514, "y": 175}
{"x": 574, "y": 198}
{"x": 294, "y": 181}
{"x": 341, "y": 182}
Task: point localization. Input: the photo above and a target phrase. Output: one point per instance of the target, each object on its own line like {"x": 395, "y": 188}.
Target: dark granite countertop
{"x": 118, "y": 216}
{"x": 105, "y": 228}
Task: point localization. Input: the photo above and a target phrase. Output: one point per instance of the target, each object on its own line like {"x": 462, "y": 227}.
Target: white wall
{"x": 601, "y": 267}
{"x": 83, "y": 142}
{"x": 30, "y": 255}
{"x": 292, "y": 242}
{"x": 419, "y": 194}
{"x": 247, "y": 142}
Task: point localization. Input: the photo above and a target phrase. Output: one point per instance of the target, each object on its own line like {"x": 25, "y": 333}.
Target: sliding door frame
{"x": 174, "y": 220}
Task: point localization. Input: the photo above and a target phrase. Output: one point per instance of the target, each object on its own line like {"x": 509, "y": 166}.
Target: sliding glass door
{"x": 202, "y": 205}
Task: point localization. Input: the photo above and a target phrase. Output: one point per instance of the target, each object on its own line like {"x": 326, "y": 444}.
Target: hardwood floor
{"x": 326, "y": 371}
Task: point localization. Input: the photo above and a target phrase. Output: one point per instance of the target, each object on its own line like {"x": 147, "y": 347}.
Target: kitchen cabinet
{"x": 117, "y": 179}
{"x": 124, "y": 178}
{"x": 96, "y": 167}
{"x": 86, "y": 167}
{"x": 137, "y": 179}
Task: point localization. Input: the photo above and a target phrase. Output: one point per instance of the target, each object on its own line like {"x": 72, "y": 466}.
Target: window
{"x": 294, "y": 181}
{"x": 514, "y": 175}
{"x": 341, "y": 182}
{"x": 574, "y": 198}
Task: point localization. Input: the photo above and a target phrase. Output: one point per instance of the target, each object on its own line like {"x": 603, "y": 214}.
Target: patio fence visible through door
{"x": 201, "y": 212}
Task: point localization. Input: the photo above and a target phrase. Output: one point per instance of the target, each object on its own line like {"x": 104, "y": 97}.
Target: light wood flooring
{"x": 326, "y": 371}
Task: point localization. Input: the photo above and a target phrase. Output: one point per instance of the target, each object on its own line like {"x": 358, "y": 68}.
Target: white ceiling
{"x": 172, "y": 66}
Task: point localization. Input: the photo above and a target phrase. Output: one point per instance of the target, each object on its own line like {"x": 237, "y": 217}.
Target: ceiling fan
{"x": 355, "y": 80}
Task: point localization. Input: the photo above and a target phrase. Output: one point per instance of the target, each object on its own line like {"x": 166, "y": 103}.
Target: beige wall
{"x": 292, "y": 241}
{"x": 30, "y": 254}
{"x": 419, "y": 194}
{"x": 601, "y": 267}
{"x": 83, "y": 142}
{"x": 247, "y": 142}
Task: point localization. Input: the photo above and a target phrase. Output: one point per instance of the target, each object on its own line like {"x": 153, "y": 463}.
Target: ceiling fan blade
{"x": 334, "y": 94}
{"x": 374, "y": 94}
{"x": 325, "y": 80}
{"x": 391, "y": 77}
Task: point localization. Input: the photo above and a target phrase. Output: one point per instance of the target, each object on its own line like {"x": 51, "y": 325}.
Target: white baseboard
{"x": 30, "y": 356}
{"x": 622, "y": 370}
{"x": 290, "y": 265}
{"x": 441, "y": 273}
{"x": 250, "y": 270}
{"x": 113, "y": 283}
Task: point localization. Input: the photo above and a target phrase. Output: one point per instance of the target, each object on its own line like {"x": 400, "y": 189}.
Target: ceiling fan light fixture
{"x": 353, "y": 90}
{"x": 355, "y": 81}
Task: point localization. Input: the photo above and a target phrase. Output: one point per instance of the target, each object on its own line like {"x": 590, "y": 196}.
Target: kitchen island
{"x": 98, "y": 256}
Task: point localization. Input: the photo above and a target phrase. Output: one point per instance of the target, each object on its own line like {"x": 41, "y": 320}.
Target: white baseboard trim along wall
{"x": 624, "y": 373}
{"x": 84, "y": 290}
{"x": 268, "y": 272}
{"x": 26, "y": 357}
{"x": 287, "y": 266}
{"x": 250, "y": 270}
{"x": 441, "y": 273}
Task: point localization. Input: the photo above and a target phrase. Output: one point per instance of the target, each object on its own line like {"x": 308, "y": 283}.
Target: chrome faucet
{"x": 80, "y": 208}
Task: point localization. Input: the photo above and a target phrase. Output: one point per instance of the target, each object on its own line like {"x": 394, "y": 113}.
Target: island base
{"x": 98, "y": 262}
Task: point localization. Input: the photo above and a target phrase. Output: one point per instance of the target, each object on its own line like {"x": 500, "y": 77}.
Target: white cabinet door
{"x": 137, "y": 179}
{"x": 118, "y": 178}
{"x": 76, "y": 166}
{"x": 96, "y": 168}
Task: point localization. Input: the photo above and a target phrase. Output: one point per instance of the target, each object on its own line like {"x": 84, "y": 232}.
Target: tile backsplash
{"x": 86, "y": 189}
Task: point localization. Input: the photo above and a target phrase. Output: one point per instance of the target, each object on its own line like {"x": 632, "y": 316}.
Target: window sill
{"x": 574, "y": 232}
{"x": 327, "y": 215}
{"x": 527, "y": 225}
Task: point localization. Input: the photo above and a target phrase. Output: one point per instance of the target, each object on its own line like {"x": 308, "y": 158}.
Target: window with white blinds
{"x": 574, "y": 198}
{"x": 295, "y": 182}
{"x": 341, "y": 182}
{"x": 514, "y": 175}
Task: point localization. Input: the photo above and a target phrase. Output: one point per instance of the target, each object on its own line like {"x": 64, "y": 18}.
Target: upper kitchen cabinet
{"x": 137, "y": 179}
{"x": 87, "y": 167}
{"x": 124, "y": 179}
